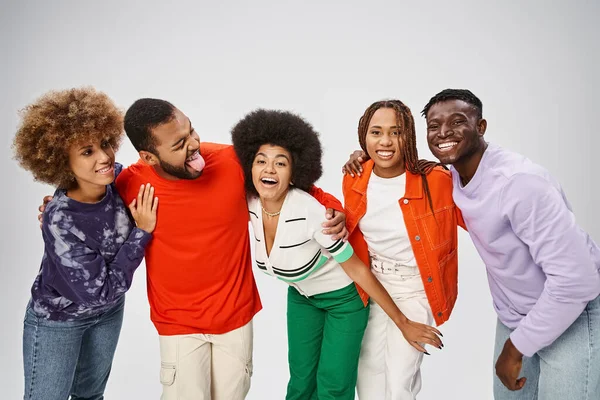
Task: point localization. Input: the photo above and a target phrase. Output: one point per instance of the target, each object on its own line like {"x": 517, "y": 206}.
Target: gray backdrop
{"x": 534, "y": 65}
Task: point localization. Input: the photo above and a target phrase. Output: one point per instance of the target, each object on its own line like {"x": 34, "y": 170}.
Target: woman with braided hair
{"x": 402, "y": 222}
{"x": 280, "y": 154}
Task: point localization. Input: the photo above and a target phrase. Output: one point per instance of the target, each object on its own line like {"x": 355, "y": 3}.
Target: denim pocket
{"x": 167, "y": 374}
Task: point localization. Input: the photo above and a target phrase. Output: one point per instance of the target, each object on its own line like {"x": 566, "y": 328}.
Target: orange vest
{"x": 433, "y": 240}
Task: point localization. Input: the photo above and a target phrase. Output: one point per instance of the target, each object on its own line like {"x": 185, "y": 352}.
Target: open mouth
{"x": 195, "y": 161}
{"x": 385, "y": 154}
{"x": 105, "y": 170}
{"x": 193, "y": 157}
{"x": 446, "y": 146}
{"x": 269, "y": 182}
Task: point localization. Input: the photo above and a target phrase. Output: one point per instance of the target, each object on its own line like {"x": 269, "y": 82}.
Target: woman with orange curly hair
{"x": 92, "y": 246}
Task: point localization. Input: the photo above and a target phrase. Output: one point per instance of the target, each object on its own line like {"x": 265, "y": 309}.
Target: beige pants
{"x": 205, "y": 367}
{"x": 389, "y": 367}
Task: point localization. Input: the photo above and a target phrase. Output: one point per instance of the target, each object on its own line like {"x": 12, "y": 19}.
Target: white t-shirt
{"x": 302, "y": 255}
{"x": 383, "y": 224}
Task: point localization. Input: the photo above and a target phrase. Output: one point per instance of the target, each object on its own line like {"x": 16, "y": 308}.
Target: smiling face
{"x": 384, "y": 143}
{"x": 177, "y": 150}
{"x": 272, "y": 173}
{"x": 454, "y": 131}
{"x": 92, "y": 164}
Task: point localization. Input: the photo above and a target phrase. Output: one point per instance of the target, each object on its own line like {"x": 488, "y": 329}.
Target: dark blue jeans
{"x": 74, "y": 358}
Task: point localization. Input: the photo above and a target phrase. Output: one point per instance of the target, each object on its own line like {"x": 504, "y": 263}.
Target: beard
{"x": 179, "y": 172}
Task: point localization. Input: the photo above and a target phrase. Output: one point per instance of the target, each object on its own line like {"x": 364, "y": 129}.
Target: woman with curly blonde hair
{"x": 92, "y": 245}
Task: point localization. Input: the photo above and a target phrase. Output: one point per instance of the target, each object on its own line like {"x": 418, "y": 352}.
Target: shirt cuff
{"x": 523, "y": 343}
{"x": 344, "y": 253}
{"x": 140, "y": 237}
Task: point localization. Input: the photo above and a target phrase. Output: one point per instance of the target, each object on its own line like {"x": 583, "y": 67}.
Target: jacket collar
{"x": 414, "y": 183}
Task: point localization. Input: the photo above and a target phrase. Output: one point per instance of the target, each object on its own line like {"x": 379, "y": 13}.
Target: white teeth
{"x": 268, "y": 180}
{"x": 447, "y": 145}
{"x": 195, "y": 155}
{"x": 385, "y": 153}
{"x": 103, "y": 170}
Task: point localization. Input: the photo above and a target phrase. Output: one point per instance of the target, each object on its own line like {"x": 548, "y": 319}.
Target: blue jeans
{"x": 568, "y": 369}
{"x": 74, "y": 358}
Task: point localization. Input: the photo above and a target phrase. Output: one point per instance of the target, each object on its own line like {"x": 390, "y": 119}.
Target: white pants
{"x": 204, "y": 367}
{"x": 389, "y": 367}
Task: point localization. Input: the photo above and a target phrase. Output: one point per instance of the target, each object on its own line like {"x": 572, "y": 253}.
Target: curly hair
{"x": 455, "y": 94}
{"x": 284, "y": 129}
{"x": 57, "y": 120}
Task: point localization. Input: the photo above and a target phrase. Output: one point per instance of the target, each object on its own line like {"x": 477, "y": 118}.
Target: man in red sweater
{"x": 201, "y": 288}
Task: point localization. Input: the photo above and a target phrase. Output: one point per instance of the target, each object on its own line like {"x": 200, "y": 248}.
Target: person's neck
{"x": 272, "y": 206}
{"x": 161, "y": 172}
{"x": 468, "y": 167}
{"x": 87, "y": 193}
{"x": 388, "y": 173}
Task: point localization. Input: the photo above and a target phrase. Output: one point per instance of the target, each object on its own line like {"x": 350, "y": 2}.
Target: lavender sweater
{"x": 542, "y": 267}
{"x": 91, "y": 252}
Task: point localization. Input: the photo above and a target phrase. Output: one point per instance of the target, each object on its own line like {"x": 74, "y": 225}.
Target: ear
{"x": 148, "y": 158}
{"x": 481, "y": 127}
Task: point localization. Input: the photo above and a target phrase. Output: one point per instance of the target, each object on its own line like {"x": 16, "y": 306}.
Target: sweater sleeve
{"x": 339, "y": 249}
{"x": 540, "y": 217}
{"x": 326, "y": 199}
{"x": 82, "y": 274}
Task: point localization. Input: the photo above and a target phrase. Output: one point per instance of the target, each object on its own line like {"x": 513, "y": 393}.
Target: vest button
{"x": 405, "y": 201}
{"x": 417, "y": 238}
{"x": 430, "y": 279}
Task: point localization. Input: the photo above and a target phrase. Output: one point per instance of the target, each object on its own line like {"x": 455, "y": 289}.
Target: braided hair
{"x": 406, "y": 123}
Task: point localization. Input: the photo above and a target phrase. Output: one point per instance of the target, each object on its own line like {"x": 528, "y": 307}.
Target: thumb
{"x": 132, "y": 205}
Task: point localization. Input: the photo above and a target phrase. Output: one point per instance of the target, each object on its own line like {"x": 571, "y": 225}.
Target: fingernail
{"x": 440, "y": 347}
{"x": 441, "y": 334}
{"x": 427, "y": 353}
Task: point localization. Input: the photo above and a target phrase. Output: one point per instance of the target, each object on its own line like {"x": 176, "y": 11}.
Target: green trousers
{"x": 325, "y": 333}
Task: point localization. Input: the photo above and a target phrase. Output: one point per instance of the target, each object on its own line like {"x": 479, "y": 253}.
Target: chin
{"x": 104, "y": 181}
{"x": 447, "y": 159}
{"x": 189, "y": 173}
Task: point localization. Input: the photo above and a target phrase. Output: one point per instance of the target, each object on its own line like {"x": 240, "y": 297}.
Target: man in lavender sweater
{"x": 543, "y": 269}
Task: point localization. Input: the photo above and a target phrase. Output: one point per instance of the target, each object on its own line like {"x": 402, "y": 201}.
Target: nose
{"x": 445, "y": 131}
{"x": 385, "y": 140}
{"x": 196, "y": 139}
{"x": 194, "y": 145}
{"x": 270, "y": 167}
{"x": 103, "y": 157}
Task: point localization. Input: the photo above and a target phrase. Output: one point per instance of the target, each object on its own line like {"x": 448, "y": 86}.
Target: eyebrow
{"x": 85, "y": 147}
{"x": 379, "y": 127}
{"x": 277, "y": 156}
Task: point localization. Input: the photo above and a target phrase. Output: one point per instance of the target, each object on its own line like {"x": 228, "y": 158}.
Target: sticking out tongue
{"x": 196, "y": 162}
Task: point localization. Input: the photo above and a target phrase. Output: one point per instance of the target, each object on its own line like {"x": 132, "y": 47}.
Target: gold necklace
{"x": 270, "y": 214}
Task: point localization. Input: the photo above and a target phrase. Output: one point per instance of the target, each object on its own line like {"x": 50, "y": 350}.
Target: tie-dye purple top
{"x": 91, "y": 252}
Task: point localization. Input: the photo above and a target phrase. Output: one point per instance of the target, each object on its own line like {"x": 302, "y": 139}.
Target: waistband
{"x": 385, "y": 265}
